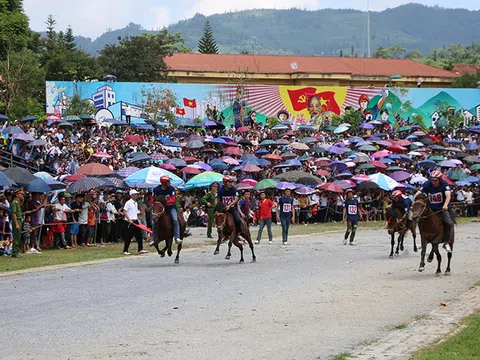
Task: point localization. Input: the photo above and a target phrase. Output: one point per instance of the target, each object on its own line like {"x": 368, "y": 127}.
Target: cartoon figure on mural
{"x": 371, "y": 113}
{"x": 283, "y": 115}
{"x": 251, "y": 120}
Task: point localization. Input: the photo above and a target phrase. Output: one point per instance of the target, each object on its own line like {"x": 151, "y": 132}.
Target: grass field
{"x": 464, "y": 345}
{"x": 57, "y": 257}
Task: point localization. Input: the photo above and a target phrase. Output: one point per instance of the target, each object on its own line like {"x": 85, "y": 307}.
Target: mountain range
{"x": 323, "y": 32}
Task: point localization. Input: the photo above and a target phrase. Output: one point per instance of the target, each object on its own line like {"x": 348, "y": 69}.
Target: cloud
{"x": 161, "y": 17}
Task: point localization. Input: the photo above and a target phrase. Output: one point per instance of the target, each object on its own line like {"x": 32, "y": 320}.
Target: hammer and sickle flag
{"x": 299, "y": 98}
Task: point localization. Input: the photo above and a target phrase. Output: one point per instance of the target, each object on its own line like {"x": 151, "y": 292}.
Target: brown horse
{"x": 397, "y": 222}
{"x": 165, "y": 230}
{"x": 226, "y": 229}
{"x": 431, "y": 229}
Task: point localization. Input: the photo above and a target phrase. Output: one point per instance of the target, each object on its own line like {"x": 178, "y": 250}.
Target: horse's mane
{"x": 425, "y": 197}
{"x": 220, "y": 207}
{"x": 421, "y": 197}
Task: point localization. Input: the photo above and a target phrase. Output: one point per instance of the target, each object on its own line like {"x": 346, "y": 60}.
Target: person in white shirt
{"x": 60, "y": 211}
{"x": 469, "y": 201}
{"x": 130, "y": 210}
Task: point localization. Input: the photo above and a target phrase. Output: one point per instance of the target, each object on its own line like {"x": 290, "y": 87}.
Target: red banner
{"x": 299, "y": 98}
{"x": 180, "y": 111}
{"x": 189, "y": 103}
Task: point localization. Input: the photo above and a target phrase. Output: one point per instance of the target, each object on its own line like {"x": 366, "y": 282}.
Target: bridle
{"x": 397, "y": 222}
{"x": 161, "y": 212}
{"x": 220, "y": 227}
{"x": 424, "y": 208}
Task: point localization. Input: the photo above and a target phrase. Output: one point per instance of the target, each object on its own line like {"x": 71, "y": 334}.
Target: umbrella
{"x": 195, "y": 144}
{"x": 448, "y": 164}
{"x": 475, "y": 167}
{"x": 273, "y": 157}
{"x": 471, "y": 146}
{"x": 472, "y": 179}
{"x": 126, "y": 172}
{"x": 427, "y": 163}
{"x": 323, "y": 173}
{"x": 250, "y": 168}
{"x": 185, "y": 122}
{"x": 12, "y": 130}
{"x": 37, "y": 186}
{"x": 309, "y": 180}
{"x": 139, "y": 157}
{"x": 190, "y": 170}
{"x": 218, "y": 141}
{"x": 177, "y": 162}
{"x": 396, "y": 148}
{"x": 305, "y": 191}
{"x": 380, "y": 154}
{"x": 457, "y": 175}
{"x": 335, "y": 150}
{"x": 338, "y": 165}
{"x": 379, "y": 165}
{"x": 150, "y": 178}
{"x": 361, "y": 177}
{"x": 463, "y": 183}
{"x": 284, "y": 186}
{"x": 180, "y": 133}
{"x": 29, "y": 118}
{"x": 294, "y": 176}
{"x": 366, "y": 166}
{"x": 158, "y": 156}
{"x": 283, "y": 142}
{"x": 265, "y": 184}
{"x": 85, "y": 184}
{"x": 367, "y": 148}
{"x": 133, "y": 139}
{"x": 116, "y": 182}
{"x": 168, "y": 167}
{"x": 5, "y": 181}
{"x": 232, "y": 150}
{"x": 288, "y": 155}
{"x": 219, "y": 166}
{"x": 43, "y": 175}
{"x": 243, "y": 186}
{"x": 404, "y": 128}
{"x": 243, "y": 129}
{"x": 340, "y": 129}
{"x": 102, "y": 155}
{"x": 72, "y": 118}
{"x": 23, "y": 137}
{"x": 203, "y": 180}
{"x": 317, "y": 149}
{"x": 19, "y": 175}
{"x": 202, "y": 166}
{"x": 366, "y": 126}
{"x": 249, "y": 182}
{"x": 3, "y": 117}
{"x": 400, "y": 175}
{"x": 268, "y": 142}
{"x": 417, "y": 179}
{"x": 331, "y": 187}
{"x": 471, "y": 159}
{"x": 94, "y": 169}
{"x": 299, "y": 146}
{"x": 383, "y": 181}
{"x": 55, "y": 185}
{"x": 367, "y": 185}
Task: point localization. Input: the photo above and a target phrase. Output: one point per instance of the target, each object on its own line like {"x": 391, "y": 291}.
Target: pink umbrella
{"x": 403, "y": 143}
{"x": 250, "y": 168}
{"x": 102, "y": 155}
{"x": 233, "y": 150}
{"x": 169, "y": 167}
{"x": 379, "y": 165}
{"x": 244, "y": 186}
{"x": 380, "y": 154}
{"x": 331, "y": 187}
{"x": 249, "y": 182}
{"x": 230, "y": 161}
{"x": 400, "y": 175}
{"x": 361, "y": 177}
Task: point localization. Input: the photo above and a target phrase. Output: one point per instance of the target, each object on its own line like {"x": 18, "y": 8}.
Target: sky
{"x": 92, "y": 18}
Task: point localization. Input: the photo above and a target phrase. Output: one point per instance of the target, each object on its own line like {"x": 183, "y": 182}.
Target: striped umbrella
{"x": 84, "y": 185}
{"x": 94, "y": 169}
{"x": 126, "y": 172}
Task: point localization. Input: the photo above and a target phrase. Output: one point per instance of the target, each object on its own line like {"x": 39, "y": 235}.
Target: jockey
{"x": 439, "y": 196}
{"x": 168, "y": 191}
{"x": 402, "y": 201}
{"x": 228, "y": 195}
{"x": 351, "y": 214}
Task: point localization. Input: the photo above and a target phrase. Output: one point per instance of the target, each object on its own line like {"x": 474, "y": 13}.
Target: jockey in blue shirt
{"x": 351, "y": 214}
{"x": 166, "y": 190}
{"x": 400, "y": 201}
{"x": 228, "y": 195}
{"x": 439, "y": 196}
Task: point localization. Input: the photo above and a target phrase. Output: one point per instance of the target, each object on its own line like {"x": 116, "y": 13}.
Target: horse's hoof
{"x": 421, "y": 268}
{"x": 391, "y": 256}
{"x": 177, "y": 261}
{"x": 429, "y": 260}
{"x": 415, "y": 249}
{"x": 396, "y": 254}
{"x": 401, "y": 248}
{"x": 162, "y": 254}
{"x": 447, "y": 272}
{"x": 241, "y": 261}
{"x": 216, "y": 252}
{"x": 254, "y": 260}
{"x": 227, "y": 257}
{"x": 438, "y": 273}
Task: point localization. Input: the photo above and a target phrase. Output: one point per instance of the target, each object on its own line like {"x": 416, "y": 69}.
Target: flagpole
{"x": 368, "y": 30}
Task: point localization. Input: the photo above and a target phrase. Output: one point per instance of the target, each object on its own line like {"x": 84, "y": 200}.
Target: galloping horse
{"x": 397, "y": 222}
{"x": 165, "y": 229}
{"x": 431, "y": 232}
{"x": 225, "y": 224}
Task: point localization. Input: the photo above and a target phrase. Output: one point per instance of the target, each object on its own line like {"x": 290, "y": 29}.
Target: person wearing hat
{"x": 209, "y": 200}
{"x": 228, "y": 195}
{"x": 166, "y": 190}
{"x": 285, "y": 213}
{"x": 265, "y": 206}
{"x": 351, "y": 215}
{"x": 16, "y": 210}
{"x": 130, "y": 210}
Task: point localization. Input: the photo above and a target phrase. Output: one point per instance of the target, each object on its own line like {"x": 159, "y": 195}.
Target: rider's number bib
{"x": 352, "y": 209}
{"x": 227, "y": 200}
{"x": 287, "y": 208}
{"x": 436, "y": 198}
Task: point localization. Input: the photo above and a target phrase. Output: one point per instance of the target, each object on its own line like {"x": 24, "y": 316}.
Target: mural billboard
{"x": 299, "y": 104}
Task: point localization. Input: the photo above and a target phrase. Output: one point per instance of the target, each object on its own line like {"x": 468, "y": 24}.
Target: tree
{"x": 414, "y": 55}
{"x": 352, "y": 117}
{"x": 207, "y": 44}
{"x": 467, "y": 80}
{"x": 159, "y": 102}
{"x": 15, "y": 33}
{"x": 70, "y": 40}
{"x": 21, "y": 91}
{"x": 393, "y": 52}
{"x": 76, "y": 105}
{"x": 140, "y": 58}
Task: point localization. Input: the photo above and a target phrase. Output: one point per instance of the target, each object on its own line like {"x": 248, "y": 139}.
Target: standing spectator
{"x": 130, "y": 210}
{"x": 60, "y": 220}
{"x": 26, "y": 232}
{"x": 119, "y": 230}
{"x": 469, "y": 202}
{"x": 83, "y": 221}
{"x": 111, "y": 213}
{"x": 286, "y": 212}
{"x": 265, "y": 206}
{"x": 76, "y": 207}
{"x": 209, "y": 201}
{"x": 17, "y": 221}
{"x": 35, "y": 209}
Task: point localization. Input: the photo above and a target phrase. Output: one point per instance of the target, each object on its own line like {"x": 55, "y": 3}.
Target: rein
{"x": 425, "y": 208}
{"x": 161, "y": 212}
{"x": 220, "y": 227}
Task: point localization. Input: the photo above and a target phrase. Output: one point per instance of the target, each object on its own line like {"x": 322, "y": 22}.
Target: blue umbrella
{"x": 37, "y": 186}
{"x": 150, "y": 178}
{"x": 335, "y": 150}
{"x": 5, "y": 181}
{"x": 3, "y": 117}
{"x": 387, "y": 161}
{"x": 172, "y": 144}
{"x": 262, "y": 151}
{"x": 472, "y": 179}
{"x": 463, "y": 183}
{"x": 355, "y": 139}
{"x": 28, "y": 118}
{"x": 219, "y": 166}
{"x": 427, "y": 163}
{"x": 471, "y": 146}
{"x": 294, "y": 162}
{"x": 340, "y": 166}
{"x": 55, "y": 185}
{"x": 284, "y": 186}
{"x": 219, "y": 141}
{"x": 366, "y": 126}
{"x": 185, "y": 122}
{"x": 177, "y": 162}
{"x": 263, "y": 162}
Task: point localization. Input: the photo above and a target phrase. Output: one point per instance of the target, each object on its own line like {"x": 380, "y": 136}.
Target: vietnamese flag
{"x": 299, "y": 98}
{"x": 180, "y": 111}
{"x": 189, "y": 103}
{"x": 327, "y": 101}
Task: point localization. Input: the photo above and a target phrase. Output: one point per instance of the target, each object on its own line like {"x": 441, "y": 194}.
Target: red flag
{"x": 299, "y": 98}
{"x": 189, "y": 103}
{"x": 180, "y": 111}
{"x": 327, "y": 101}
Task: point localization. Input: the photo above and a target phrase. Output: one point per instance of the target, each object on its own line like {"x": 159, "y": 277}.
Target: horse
{"x": 165, "y": 229}
{"x": 431, "y": 229}
{"x": 397, "y": 222}
{"x": 225, "y": 224}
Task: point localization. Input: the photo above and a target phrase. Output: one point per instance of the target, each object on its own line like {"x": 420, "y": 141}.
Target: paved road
{"x": 309, "y": 300}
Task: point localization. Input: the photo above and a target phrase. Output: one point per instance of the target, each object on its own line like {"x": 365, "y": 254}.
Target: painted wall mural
{"x": 295, "y": 103}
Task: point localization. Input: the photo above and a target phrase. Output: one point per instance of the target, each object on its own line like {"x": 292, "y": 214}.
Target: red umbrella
{"x": 273, "y": 157}
{"x": 244, "y": 186}
{"x": 94, "y": 169}
{"x": 250, "y": 168}
{"x": 233, "y": 150}
{"x": 133, "y": 139}
{"x": 322, "y": 163}
{"x": 396, "y": 148}
{"x": 190, "y": 170}
{"x": 331, "y": 187}
{"x": 380, "y": 154}
{"x": 322, "y": 173}
{"x": 190, "y": 159}
{"x": 289, "y": 133}
{"x": 419, "y": 133}
{"x": 243, "y": 129}
{"x": 379, "y": 165}
{"x": 102, "y": 155}
{"x": 75, "y": 177}
{"x": 403, "y": 143}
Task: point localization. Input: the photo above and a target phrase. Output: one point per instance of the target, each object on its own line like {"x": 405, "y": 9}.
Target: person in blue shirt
{"x": 402, "y": 202}
{"x": 228, "y": 195}
{"x": 351, "y": 215}
{"x": 166, "y": 190}
{"x": 285, "y": 213}
{"x": 439, "y": 195}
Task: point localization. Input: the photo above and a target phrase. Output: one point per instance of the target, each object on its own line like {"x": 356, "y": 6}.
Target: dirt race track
{"x": 309, "y": 300}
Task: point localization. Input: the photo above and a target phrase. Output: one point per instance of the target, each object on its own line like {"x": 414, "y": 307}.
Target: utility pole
{"x": 368, "y": 30}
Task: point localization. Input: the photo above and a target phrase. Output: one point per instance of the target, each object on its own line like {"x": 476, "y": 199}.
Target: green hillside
{"x": 322, "y": 32}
